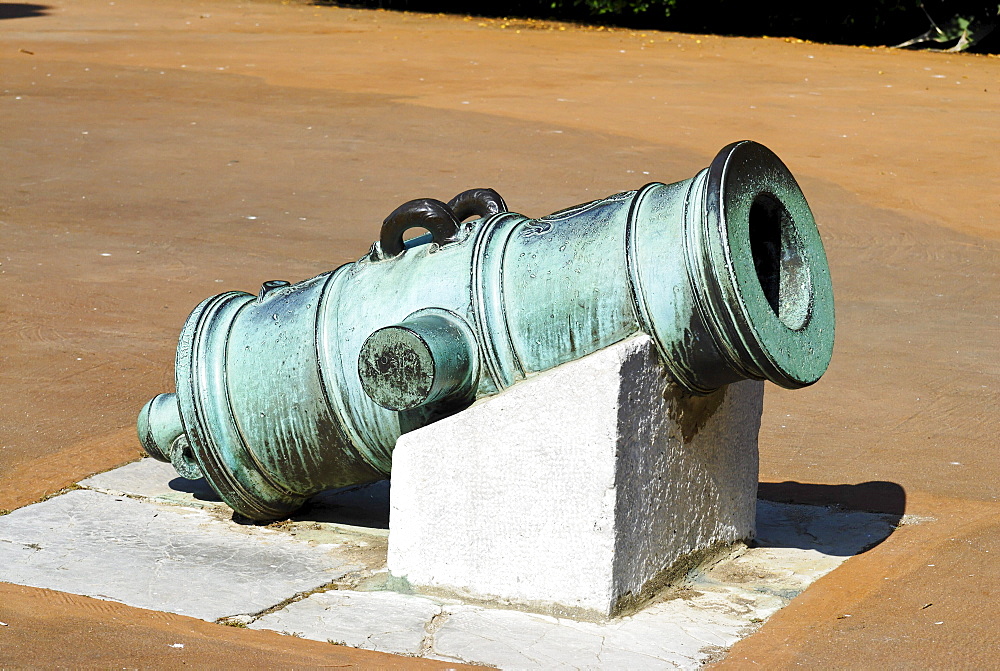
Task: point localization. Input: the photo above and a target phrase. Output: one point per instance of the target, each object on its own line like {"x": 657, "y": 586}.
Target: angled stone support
{"x": 578, "y": 492}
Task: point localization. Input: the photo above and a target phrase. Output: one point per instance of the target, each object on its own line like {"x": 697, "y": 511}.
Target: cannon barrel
{"x": 306, "y": 387}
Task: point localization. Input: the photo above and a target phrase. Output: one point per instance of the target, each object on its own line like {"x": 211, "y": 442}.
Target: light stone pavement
{"x": 141, "y": 536}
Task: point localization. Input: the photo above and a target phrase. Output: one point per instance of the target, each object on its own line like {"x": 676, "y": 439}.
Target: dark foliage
{"x": 871, "y": 22}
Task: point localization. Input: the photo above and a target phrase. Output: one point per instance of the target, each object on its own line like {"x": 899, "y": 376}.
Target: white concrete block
{"x": 572, "y": 492}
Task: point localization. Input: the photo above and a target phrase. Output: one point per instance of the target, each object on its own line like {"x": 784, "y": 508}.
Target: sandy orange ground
{"x": 155, "y": 153}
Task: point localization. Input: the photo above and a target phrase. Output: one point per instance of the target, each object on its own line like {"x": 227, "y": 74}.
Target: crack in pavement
{"x": 431, "y": 629}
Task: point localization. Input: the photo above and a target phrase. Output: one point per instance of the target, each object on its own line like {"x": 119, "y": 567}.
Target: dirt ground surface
{"x": 156, "y": 153}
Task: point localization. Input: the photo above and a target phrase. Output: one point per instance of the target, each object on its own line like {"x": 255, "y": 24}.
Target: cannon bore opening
{"x": 779, "y": 260}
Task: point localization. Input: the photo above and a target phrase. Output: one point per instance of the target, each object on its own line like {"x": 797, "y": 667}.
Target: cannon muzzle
{"x": 306, "y": 387}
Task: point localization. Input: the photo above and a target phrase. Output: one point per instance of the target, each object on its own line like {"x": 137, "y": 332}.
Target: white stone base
{"x": 142, "y": 536}
{"x": 577, "y": 491}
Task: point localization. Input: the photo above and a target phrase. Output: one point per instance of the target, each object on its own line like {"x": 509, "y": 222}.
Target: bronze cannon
{"x": 306, "y": 387}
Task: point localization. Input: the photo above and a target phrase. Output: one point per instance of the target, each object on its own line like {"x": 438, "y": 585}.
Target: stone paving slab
{"x": 360, "y": 508}
{"x": 153, "y": 480}
{"x": 511, "y": 639}
{"x": 140, "y": 536}
{"x": 716, "y": 606}
{"x": 370, "y": 620}
{"x": 178, "y": 560}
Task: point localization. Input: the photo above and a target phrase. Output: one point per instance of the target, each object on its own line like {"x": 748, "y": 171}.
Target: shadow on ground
{"x": 357, "y": 505}
{"x": 22, "y": 10}
{"x": 199, "y": 489}
{"x": 873, "y": 497}
{"x": 838, "y": 520}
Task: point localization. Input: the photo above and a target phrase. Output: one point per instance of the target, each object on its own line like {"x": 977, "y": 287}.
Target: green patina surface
{"x": 307, "y": 386}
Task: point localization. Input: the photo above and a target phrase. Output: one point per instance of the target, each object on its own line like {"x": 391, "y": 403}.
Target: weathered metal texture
{"x": 307, "y": 386}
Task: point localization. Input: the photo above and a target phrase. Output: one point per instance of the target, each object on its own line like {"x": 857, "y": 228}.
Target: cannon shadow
{"x": 357, "y": 505}
{"x": 840, "y": 520}
{"x": 199, "y": 489}
{"x": 22, "y": 10}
